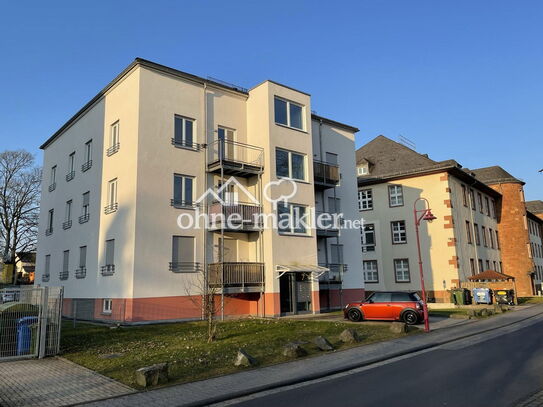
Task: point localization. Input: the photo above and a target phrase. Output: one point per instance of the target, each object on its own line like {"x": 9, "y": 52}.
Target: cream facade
{"x": 146, "y": 149}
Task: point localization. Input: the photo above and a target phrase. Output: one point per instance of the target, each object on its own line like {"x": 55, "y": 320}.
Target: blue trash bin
{"x": 482, "y": 296}
{"x": 24, "y": 334}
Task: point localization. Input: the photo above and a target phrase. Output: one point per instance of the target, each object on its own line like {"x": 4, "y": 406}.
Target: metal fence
{"x": 30, "y": 321}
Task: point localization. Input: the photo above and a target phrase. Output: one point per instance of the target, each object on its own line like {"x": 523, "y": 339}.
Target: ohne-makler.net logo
{"x": 222, "y": 208}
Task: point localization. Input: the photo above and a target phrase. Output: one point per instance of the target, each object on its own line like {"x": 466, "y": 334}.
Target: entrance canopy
{"x": 316, "y": 271}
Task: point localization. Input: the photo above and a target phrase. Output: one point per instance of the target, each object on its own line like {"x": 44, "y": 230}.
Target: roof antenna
{"x": 406, "y": 142}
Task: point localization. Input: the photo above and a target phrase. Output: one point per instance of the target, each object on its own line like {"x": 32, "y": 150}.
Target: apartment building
{"x": 462, "y": 241}
{"x": 514, "y": 227}
{"x": 158, "y": 147}
{"x": 535, "y": 227}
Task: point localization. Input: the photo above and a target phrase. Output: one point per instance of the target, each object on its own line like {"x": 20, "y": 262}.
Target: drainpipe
{"x": 204, "y": 230}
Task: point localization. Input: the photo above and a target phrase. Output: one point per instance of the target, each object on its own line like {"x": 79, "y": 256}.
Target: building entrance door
{"x": 295, "y": 293}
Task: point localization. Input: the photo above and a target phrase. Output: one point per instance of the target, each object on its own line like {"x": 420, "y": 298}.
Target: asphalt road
{"x": 482, "y": 372}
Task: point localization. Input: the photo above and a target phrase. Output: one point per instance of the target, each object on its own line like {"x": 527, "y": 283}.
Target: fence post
{"x": 43, "y": 322}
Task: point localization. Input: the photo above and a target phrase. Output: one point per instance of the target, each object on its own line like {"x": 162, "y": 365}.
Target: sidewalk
{"x": 250, "y": 381}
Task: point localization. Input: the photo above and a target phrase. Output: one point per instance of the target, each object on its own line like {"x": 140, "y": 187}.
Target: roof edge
{"x": 335, "y": 123}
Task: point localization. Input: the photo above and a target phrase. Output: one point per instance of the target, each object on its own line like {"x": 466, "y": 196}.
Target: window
{"x": 480, "y": 261}
{"x": 493, "y": 207}
{"x": 47, "y": 267}
{"x": 183, "y": 187}
{"x": 114, "y": 142}
{"x": 371, "y": 274}
{"x": 501, "y": 267}
{"x": 491, "y": 235}
{"x": 109, "y": 267}
{"x": 183, "y": 132}
{"x": 401, "y": 270}
{"x": 68, "y": 215}
{"x": 288, "y": 113}
{"x": 468, "y": 232}
{"x": 399, "y": 234}
{"x": 71, "y": 167}
{"x": 107, "y": 306}
{"x": 488, "y": 264}
{"x": 472, "y": 266}
{"x": 53, "y": 179}
{"x": 480, "y": 199}
{"x": 112, "y": 204}
{"x": 88, "y": 156}
{"x": 464, "y": 195}
{"x": 495, "y": 265}
{"x": 380, "y": 297}
{"x": 365, "y": 200}
{"x": 50, "y": 219}
{"x": 65, "y": 265}
{"x": 183, "y": 255}
{"x": 291, "y": 218}
{"x": 85, "y": 210}
{"x": 82, "y": 270}
{"x": 289, "y": 164}
{"x": 485, "y": 241}
{"x": 472, "y": 199}
{"x": 363, "y": 170}
{"x": 487, "y": 206}
{"x": 367, "y": 233}
{"x": 395, "y": 195}
{"x": 477, "y": 235}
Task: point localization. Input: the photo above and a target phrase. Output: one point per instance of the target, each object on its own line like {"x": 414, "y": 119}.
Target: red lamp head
{"x": 429, "y": 216}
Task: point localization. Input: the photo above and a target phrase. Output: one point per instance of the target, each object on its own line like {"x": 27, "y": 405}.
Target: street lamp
{"x": 420, "y": 215}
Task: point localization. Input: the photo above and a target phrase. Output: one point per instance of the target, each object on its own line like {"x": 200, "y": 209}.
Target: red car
{"x": 389, "y": 306}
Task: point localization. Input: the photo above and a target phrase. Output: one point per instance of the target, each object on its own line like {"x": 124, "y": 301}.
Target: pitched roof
{"x": 392, "y": 160}
{"x": 495, "y": 175}
{"x": 490, "y": 275}
{"x": 534, "y": 206}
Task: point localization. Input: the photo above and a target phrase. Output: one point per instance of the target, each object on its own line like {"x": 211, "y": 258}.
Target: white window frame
{"x": 398, "y": 231}
{"x": 53, "y": 175}
{"x": 68, "y": 211}
{"x": 403, "y": 270}
{"x": 371, "y": 275}
{"x": 114, "y": 136}
{"x": 107, "y": 306}
{"x": 88, "y": 151}
{"x": 183, "y": 143}
{"x": 363, "y": 170}
{"x": 363, "y": 233}
{"x": 184, "y": 202}
{"x": 292, "y": 211}
{"x": 394, "y": 195}
{"x": 290, "y": 153}
{"x": 365, "y": 203}
{"x": 85, "y": 209}
{"x": 289, "y": 121}
{"x": 112, "y": 192}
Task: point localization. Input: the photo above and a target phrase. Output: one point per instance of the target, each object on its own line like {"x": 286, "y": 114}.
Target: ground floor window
{"x": 401, "y": 270}
{"x": 370, "y": 271}
{"x": 106, "y": 306}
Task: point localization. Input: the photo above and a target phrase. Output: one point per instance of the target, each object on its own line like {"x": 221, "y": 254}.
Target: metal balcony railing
{"x": 45, "y": 278}
{"x": 113, "y": 149}
{"x": 325, "y": 174}
{"x": 182, "y": 204}
{"x": 111, "y": 208}
{"x": 81, "y": 272}
{"x": 185, "y": 267}
{"x": 70, "y": 176}
{"x": 327, "y": 224}
{"x": 235, "y": 216}
{"x": 233, "y": 157}
{"x": 186, "y": 145}
{"x": 86, "y": 166}
{"x": 52, "y": 187}
{"x": 108, "y": 269}
{"x": 335, "y": 273}
{"x": 84, "y": 218}
{"x": 236, "y": 274}
{"x": 63, "y": 275}
{"x": 67, "y": 224}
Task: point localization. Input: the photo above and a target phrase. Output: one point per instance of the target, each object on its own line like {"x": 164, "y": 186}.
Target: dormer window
{"x": 362, "y": 170}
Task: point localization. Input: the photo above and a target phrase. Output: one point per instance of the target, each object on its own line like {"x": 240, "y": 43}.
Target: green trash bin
{"x": 459, "y": 296}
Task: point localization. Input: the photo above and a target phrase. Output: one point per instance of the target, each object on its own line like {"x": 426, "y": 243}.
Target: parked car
{"x": 9, "y": 296}
{"x": 388, "y": 306}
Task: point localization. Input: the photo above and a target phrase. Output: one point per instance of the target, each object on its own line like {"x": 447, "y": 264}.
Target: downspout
{"x": 204, "y": 230}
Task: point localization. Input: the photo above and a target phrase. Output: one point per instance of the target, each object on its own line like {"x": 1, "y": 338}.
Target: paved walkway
{"x": 53, "y": 382}
{"x": 250, "y": 381}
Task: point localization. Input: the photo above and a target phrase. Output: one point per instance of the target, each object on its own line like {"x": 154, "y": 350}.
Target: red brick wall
{"x": 514, "y": 237}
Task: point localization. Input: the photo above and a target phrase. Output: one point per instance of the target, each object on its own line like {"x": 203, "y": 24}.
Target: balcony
{"x": 237, "y": 277}
{"x": 67, "y": 224}
{"x": 86, "y": 166}
{"x": 70, "y": 176}
{"x": 81, "y": 272}
{"x": 184, "y": 267}
{"x": 84, "y": 218}
{"x": 326, "y": 175}
{"x": 238, "y": 217}
{"x": 233, "y": 158}
{"x": 326, "y": 225}
{"x": 63, "y": 275}
{"x": 111, "y": 208}
{"x": 334, "y": 275}
{"x": 108, "y": 269}
{"x": 113, "y": 149}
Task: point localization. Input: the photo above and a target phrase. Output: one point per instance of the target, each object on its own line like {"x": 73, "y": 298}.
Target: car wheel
{"x": 410, "y": 317}
{"x": 354, "y": 315}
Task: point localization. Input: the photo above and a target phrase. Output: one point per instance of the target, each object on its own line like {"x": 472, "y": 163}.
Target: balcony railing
{"x": 108, "y": 269}
{"x": 70, "y": 176}
{"x": 52, "y": 187}
{"x": 186, "y": 145}
{"x": 86, "y": 166}
{"x": 48, "y": 231}
{"x": 111, "y": 208}
{"x": 67, "y": 224}
{"x": 113, "y": 149}
{"x": 335, "y": 273}
{"x": 326, "y": 175}
{"x": 84, "y": 218}
{"x": 234, "y": 158}
{"x": 185, "y": 267}
{"x": 63, "y": 275}
{"x": 45, "y": 278}
{"x": 81, "y": 272}
{"x": 182, "y": 204}
{"x": 243, "y": 275}
{"x": 236, "y": 216}
{"x": 327, "y": 224}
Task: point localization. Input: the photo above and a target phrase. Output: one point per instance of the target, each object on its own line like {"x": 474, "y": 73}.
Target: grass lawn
{"x": 447, "y": 312}
{"x": 184, "y": 345}
{"x": 530, "y": 300}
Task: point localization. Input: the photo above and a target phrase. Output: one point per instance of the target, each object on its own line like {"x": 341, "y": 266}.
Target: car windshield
{"x": 415, "y": 296}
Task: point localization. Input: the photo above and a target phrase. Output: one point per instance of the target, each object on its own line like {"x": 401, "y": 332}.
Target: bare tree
{"x": 20, "y": 182}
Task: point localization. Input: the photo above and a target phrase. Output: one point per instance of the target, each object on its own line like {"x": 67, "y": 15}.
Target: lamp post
{"x": 420, "y": 215}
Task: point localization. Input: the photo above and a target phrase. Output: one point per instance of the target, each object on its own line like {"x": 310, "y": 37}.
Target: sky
{"x": 461, "y": 79}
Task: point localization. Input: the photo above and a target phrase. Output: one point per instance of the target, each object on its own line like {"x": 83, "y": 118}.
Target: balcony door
{"x": 226, "y": 143}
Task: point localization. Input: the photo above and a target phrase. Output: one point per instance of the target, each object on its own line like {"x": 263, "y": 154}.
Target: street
{"x": 500, "y": 371}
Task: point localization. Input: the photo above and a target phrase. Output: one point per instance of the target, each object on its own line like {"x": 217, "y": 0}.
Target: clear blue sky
{"x": 462, "y": 79}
